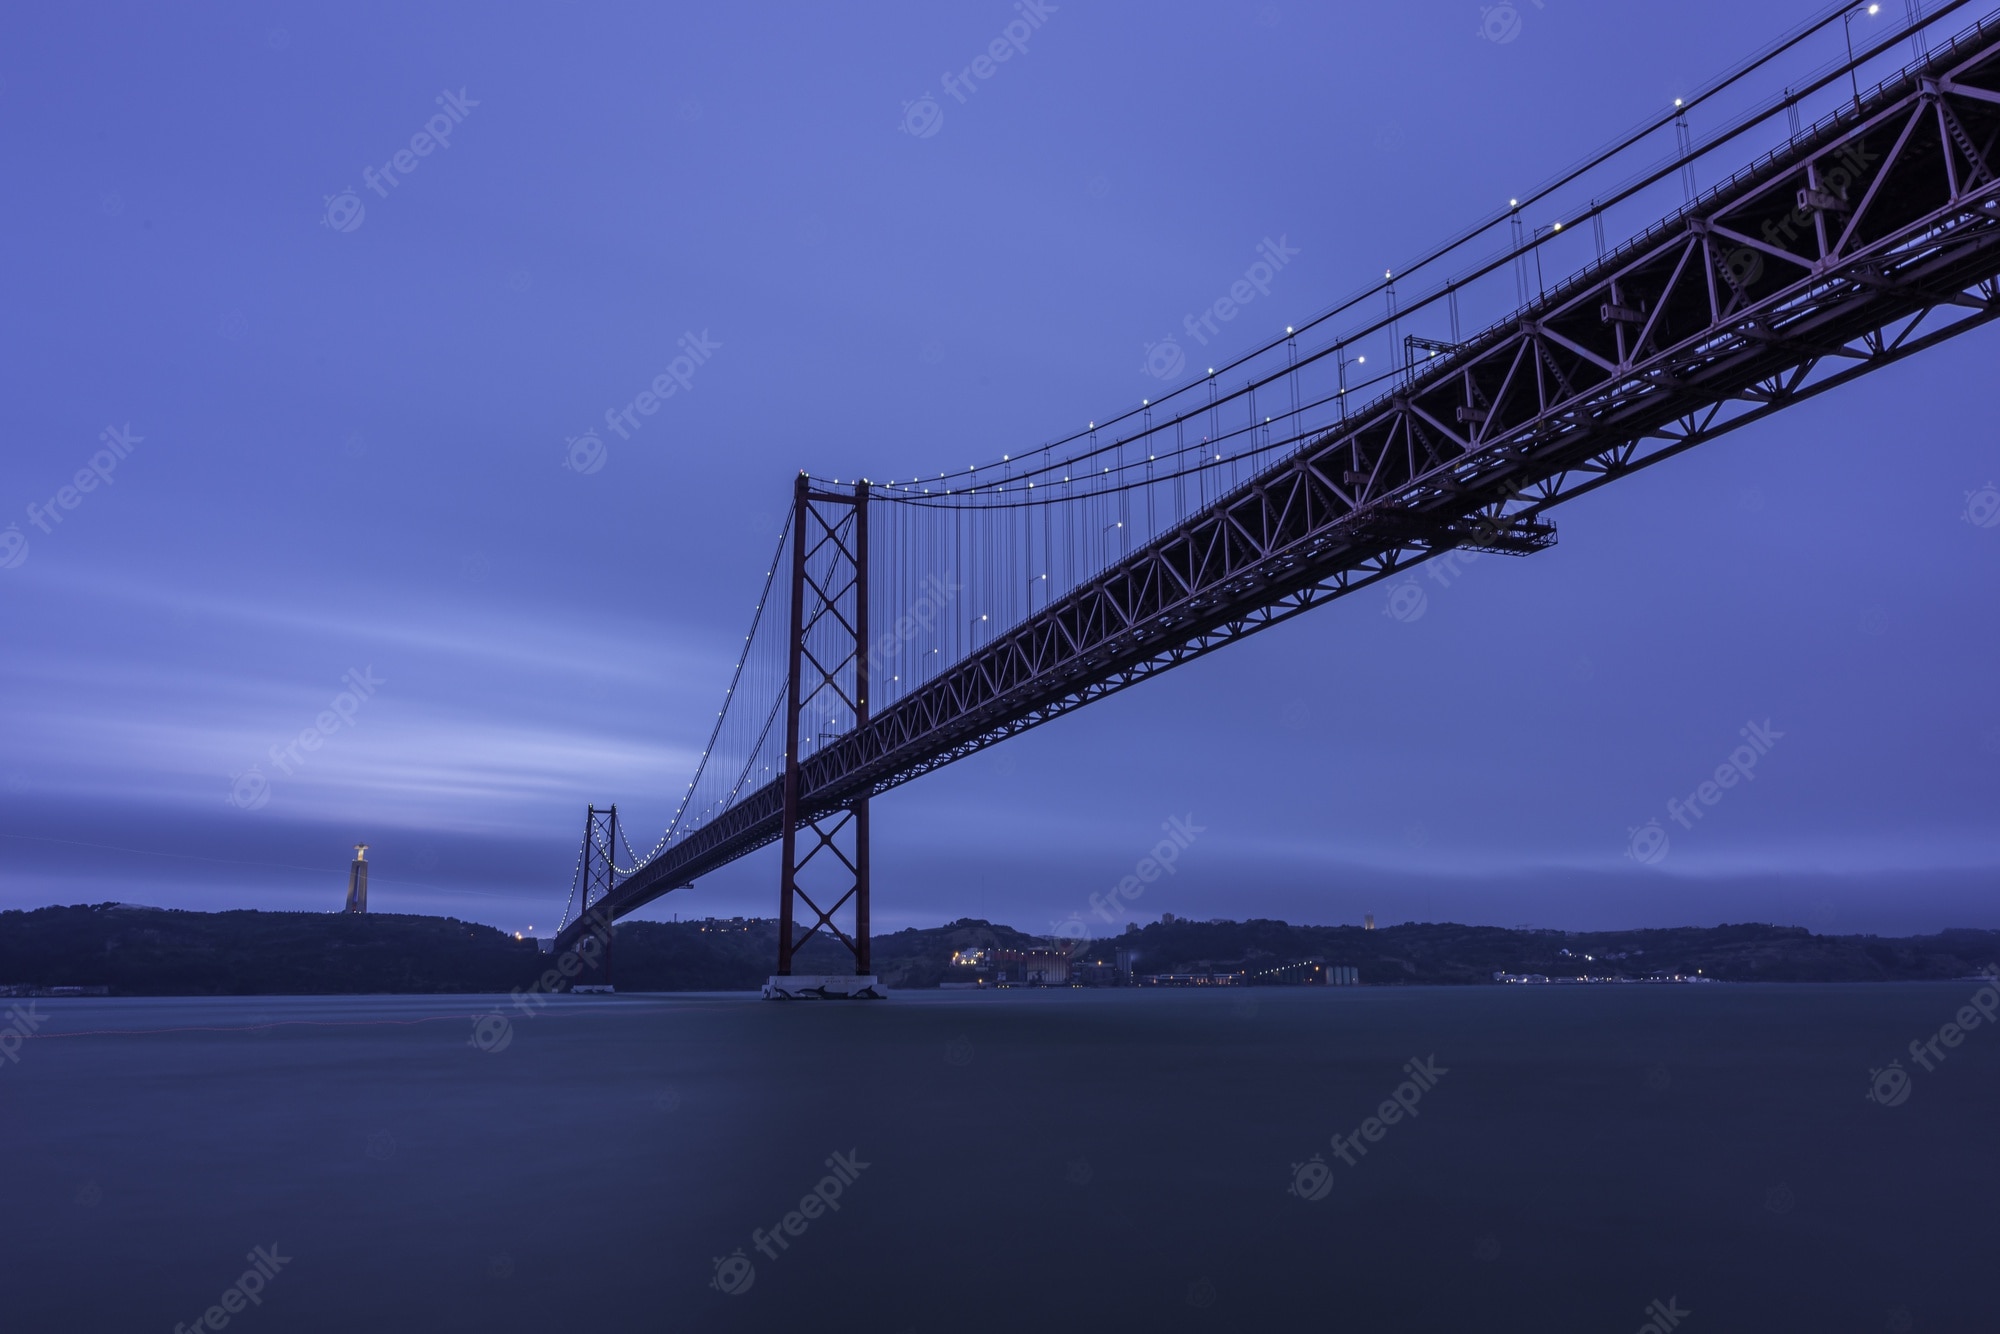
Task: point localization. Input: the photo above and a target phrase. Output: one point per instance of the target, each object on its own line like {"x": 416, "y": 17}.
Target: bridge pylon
{"x": 599, "y": 877}
{"x": 824, "y": 855}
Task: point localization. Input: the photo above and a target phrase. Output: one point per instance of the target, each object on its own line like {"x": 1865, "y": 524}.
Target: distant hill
{"x": 162, "y": 952}
{"x": 1426, "y": 952}
{"x": 165, "y": 952}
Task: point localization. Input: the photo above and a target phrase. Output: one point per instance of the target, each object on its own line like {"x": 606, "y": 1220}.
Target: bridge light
{"x": 1677, "y": 101}
{"x": 1556, "y": 228}
{"x": 1515, "y": 203}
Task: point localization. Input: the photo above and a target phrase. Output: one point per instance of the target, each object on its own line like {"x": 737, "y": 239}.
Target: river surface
{"x": 1060, "y": 1160}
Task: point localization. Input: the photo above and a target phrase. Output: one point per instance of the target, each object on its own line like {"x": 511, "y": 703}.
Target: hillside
{"x": 1424, "y": 952}
{"x": 162, "y": 952}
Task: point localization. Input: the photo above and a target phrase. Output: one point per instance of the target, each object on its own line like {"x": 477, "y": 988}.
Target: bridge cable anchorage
{"x": 1005, "y": 595}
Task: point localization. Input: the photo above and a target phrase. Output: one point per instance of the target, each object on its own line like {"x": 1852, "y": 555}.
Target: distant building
{"x": 1096, "y": 975}
{"x": 1368, "y": 922}
{"x": 357, "y": 880}
{"x": 971, "y": 969}
{"x": 1030, "y": 968}
{"x": 736, "y": 924}
{"x": 1343, "y": 975}
{"x": 1190, "y": 980}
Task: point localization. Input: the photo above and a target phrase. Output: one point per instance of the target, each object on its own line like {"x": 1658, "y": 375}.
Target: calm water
{"x": 1063, "y": 1160}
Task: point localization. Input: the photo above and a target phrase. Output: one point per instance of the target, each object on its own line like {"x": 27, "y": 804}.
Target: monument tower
{"x": 357, "y": 880}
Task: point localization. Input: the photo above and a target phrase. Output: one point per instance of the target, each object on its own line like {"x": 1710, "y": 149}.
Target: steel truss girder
{"x": 1737, "y": 319}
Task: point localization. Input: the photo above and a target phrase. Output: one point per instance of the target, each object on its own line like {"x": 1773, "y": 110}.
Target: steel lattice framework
{"x": 829, "y": 626}
{"x": 1862, "y": 242}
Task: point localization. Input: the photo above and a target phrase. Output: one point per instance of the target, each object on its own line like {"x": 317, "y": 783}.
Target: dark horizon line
{"x": 1087, "y": 941}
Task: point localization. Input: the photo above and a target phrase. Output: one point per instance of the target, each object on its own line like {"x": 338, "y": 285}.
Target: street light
{"x": 1538, "y": 234}
{"x": 1847, "y": 26}
{"x": 1038, "y": 579}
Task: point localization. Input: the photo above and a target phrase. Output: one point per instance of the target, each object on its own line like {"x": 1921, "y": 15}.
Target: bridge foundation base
{"x": 837, "y": 987}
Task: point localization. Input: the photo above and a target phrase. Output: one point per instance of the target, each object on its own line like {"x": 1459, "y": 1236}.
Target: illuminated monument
{"x": 357, "y": 880}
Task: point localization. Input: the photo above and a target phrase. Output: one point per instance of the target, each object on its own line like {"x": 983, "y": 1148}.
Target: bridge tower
{"x": 824, "y": 855}
{"x": 599, "y": 878}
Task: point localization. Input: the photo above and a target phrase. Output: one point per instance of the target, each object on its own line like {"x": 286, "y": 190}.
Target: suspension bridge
{"x": 906, "y": 623}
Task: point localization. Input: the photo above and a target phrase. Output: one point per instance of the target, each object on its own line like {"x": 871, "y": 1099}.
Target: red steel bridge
{"x": 907, "y": 623}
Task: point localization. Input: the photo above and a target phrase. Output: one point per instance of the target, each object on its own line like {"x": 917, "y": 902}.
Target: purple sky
{"x": 350, "y": 445}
